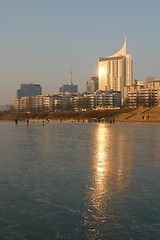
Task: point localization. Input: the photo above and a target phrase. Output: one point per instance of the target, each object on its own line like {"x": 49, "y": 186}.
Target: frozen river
{"x": 79, "y": 181}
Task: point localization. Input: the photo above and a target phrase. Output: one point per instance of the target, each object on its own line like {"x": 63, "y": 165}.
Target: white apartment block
{"x": 115, "y": 72}
{"x": 69, "y": 102}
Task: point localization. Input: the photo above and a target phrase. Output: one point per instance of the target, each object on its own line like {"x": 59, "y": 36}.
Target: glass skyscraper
{"x": 115, "y": 72}
{"x": 29, "y": 90}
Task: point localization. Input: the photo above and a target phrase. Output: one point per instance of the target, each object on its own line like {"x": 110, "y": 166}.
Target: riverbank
{"x": 151, "y": 114}
{"x": 118, "y": 115}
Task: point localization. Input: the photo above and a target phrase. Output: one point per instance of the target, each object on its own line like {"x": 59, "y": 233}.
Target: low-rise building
{"x": 143, "y": 98}
{"x": 69, "y": 102}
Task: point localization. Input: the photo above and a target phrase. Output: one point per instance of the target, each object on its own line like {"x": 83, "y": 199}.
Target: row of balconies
{"x": 144, "y": 98}
{"x": 64, "y": 102}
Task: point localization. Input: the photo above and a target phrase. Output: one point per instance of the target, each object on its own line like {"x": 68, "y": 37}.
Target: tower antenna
{"x": 71, "y": 76}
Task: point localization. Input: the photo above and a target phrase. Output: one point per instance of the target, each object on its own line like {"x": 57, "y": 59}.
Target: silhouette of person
{"x": 16, "y": 121}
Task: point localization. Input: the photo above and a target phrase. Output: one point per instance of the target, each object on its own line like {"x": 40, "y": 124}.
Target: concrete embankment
{"x": 140, "y": 115}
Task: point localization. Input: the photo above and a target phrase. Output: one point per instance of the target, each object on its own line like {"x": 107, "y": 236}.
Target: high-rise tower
{"x": 115, "y": 72}
{"x": 29, "y": 90}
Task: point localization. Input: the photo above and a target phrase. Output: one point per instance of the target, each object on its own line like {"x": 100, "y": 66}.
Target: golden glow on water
{"x": 109, "y": 177}
{"x": 98, "y": 193}
{"x": 100, "y": 164}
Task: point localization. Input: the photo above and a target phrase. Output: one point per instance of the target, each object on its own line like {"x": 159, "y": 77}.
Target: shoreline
{"x": 139, "y": 115}
{"x": 44, "y": 121}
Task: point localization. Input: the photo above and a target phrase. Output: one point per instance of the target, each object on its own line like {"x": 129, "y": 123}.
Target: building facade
{"x": 143, "y": 98}
{"x": 70, "y": 88}
{"x": 115, "y": 72}
{"x": 29, "y": 90}
{"x": 92, "y": 85}
{"x": 147, "y": 95}
{"x": 68, "y": 102}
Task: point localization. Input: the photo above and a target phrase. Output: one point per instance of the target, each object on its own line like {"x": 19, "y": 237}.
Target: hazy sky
{"x": 41, "y": 40}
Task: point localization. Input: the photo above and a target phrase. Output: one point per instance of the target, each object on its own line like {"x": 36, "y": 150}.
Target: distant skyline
{"x": 41, "y": 40}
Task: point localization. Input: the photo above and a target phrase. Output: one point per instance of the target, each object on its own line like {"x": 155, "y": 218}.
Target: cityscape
{"x": 79, "y": 120}
{"x": 113, "y": 88}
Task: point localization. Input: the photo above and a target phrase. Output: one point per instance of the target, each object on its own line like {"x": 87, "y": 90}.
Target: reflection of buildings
{"x": 98, "y": 193}
{"x": 101, "y": 166}
{"x": 111, "y": 175}
{"x": 115, "y": 72}
{"x": 111, "y": 166}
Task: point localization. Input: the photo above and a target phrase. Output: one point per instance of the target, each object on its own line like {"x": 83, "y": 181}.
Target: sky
{"x": 42, "y": 40}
